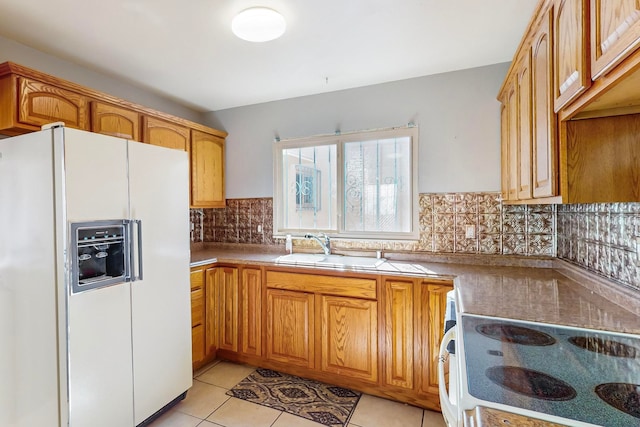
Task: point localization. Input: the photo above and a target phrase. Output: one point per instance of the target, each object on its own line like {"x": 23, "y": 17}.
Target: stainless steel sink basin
{"x": 335, "y": 261}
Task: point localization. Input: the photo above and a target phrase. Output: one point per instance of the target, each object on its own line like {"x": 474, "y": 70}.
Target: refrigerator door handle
{"x": 139, "y": 276}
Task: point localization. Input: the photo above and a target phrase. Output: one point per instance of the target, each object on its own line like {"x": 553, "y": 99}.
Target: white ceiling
{"x": 185, "y": 49}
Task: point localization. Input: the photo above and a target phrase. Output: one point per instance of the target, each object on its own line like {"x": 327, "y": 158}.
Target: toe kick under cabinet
{"x": 375, "y": 333}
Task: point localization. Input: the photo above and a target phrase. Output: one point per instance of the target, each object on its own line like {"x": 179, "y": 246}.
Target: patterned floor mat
{"x": 323, "y": 403}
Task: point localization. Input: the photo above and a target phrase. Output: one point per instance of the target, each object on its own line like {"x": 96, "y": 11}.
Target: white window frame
{"x": 339, "y": 140}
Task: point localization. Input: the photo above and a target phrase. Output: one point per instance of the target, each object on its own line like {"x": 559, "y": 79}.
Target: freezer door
{"x": 99, "y": 320}
{"x": 161, "y": 314}
{"x": 29, "y": 367}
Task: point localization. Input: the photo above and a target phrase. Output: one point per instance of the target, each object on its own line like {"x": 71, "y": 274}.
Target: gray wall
{"x": 32, "y": 58}
{"x": 457, "y": 114}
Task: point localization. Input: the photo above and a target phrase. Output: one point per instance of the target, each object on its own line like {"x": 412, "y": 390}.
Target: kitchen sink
{"x": 332, "y": 260}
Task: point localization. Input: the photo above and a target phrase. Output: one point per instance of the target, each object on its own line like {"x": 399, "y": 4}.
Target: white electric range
{"x": 569, "y": 376}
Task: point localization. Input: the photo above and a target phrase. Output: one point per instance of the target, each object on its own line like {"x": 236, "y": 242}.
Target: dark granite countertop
{"x": 544, "y": 290}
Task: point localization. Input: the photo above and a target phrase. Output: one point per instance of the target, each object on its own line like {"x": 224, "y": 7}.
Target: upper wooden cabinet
{"x": 165, "y": 134}
{"x": 524, "y": 128}
{"x": 115, "y": 121}
{"x": 42, "y": 103}
{"x": 543, "y": 120}
{"x": 504, "y": 150}
{"x": 30, "y": 99}
{"x": 566, "y": 157}
{"x": 207, "y": 170}
{"x": 571, "y": 70}
{"x": 615, "y": 33}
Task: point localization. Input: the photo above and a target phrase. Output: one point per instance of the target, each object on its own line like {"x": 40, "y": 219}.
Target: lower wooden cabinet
{"x": 349, "y": 339}
{"x": 375, "y": 333}
{"x": 198, "y": 324}
{"x": 399, "y": 340}
{"x": 431, "y": 303}
{"x": 290, "y": 327}
{"x": 226, "y": 283}
{"x": 198, "y": 354}
{"x": 251, "y": 308}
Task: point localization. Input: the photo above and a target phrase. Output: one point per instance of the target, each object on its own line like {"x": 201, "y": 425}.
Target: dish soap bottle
{"x": 288, "y": 244}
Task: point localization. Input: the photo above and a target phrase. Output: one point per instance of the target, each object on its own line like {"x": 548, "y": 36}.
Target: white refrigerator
{"x": 90, "y": 349}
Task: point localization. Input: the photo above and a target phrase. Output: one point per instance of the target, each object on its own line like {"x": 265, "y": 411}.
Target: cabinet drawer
{"x": 329, "y": 285}
{"x": 197, "y": 344}
{"x": 197, "y": 278}
{"x": 197, "y": 307}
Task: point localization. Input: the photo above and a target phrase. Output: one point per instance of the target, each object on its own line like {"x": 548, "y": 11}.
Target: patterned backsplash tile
{"x": 600, "y": 237}
{"x": 597, "y": 237}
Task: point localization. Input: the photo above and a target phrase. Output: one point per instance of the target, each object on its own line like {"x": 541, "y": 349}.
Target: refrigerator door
{"x": 29, "y": 368}
{"x": 161, "y": 314}
{"x": 99, "y": 320}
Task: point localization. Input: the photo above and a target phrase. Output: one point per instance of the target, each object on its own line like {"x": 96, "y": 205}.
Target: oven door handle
{"x": 449, "y": 410}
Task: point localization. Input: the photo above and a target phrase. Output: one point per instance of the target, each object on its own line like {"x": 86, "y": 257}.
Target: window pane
{"x": 377, "y": 185}
{"x": 309, "y": 187}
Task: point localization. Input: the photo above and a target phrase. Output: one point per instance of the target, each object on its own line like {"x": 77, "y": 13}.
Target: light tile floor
{"x": 207, "y": 405}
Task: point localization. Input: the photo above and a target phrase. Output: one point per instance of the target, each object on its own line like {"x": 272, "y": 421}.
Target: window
{"x": 357, "y": 185}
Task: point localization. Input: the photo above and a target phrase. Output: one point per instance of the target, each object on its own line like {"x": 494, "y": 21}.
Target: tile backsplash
{"x": 597, "y": 237}
{"x": 600, "y": 237}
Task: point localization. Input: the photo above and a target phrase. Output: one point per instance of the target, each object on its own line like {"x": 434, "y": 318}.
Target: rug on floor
{"x": 323, "y": 403}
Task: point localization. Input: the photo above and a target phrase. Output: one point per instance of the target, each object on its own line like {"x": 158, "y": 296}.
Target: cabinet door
{"x": 227, "y": 286}
{"x": 115, "y": 121}
{"x": 504, "y": 150}
{"x": 197, "y": 315}
{"x": 524, "y": 127}
{"x": 290, "y": 327}
{"x": 432, "y": 302}
{"x": 251, "y": 297}
{"x": 512, "y": 143}
{"x": 399, "y": 333}
{"x": 207, "y": 170}
{"x": 349, "y": 337}
{"x": 41, "y": 103}
{"x": 165, "y": 134}
{"x": 543, "y": 119}
{"x": 615, "y": 33}
{"x": 571, "y": 71}
{"x": 212, "y": 337}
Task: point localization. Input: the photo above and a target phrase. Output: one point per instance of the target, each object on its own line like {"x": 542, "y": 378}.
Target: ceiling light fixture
{"x": 258, "y": 24}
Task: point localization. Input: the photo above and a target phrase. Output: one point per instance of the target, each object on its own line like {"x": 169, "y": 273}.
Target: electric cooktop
{"x": 577, "y": 374}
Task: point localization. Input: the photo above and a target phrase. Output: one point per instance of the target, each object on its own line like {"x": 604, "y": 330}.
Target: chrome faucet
{"x": 325, "y": 245}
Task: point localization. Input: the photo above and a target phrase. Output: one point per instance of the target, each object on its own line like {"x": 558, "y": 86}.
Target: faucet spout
{"x": 325, "y": 245}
